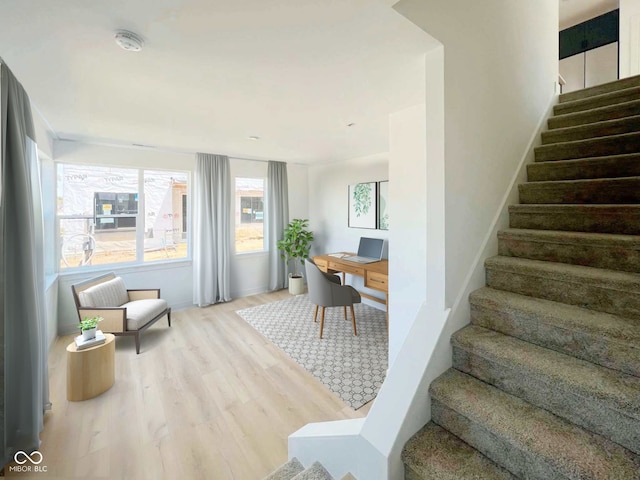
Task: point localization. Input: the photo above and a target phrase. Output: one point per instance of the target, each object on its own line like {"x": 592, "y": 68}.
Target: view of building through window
{"x": 249, "y": 217}
{"x": 101, "y": 218}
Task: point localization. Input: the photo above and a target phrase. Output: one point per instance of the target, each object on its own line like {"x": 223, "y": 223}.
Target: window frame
{"x": 140, "y": 221}
{"x": 265, "y": 237}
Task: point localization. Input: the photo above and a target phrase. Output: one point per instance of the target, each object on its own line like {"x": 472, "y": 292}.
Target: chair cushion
{"x": 111, "y": 293}
{"x": 139, "y": 312}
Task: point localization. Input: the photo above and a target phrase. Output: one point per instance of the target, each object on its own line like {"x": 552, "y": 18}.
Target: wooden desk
{"x": 375, "y": 274}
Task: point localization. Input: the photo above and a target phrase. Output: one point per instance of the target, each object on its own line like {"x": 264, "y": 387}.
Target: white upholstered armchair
{"x": 125, "y": 312}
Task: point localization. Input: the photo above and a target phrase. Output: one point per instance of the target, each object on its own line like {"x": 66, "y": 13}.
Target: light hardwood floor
{"x": 208, "y": 398}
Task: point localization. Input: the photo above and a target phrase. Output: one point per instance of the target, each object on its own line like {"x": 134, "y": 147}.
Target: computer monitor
{"x": 371, "y": 247}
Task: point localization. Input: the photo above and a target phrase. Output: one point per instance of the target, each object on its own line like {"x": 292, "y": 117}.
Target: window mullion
{"x": 140, "y": 226}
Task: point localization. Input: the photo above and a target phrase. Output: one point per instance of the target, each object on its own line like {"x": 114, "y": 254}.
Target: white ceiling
{"x": 215, "y": 72}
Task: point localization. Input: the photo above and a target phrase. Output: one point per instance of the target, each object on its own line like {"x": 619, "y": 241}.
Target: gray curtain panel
{"x": 23, "y": 335}
{"x": 212, "y": 230}
{"x": 277, "y": 218}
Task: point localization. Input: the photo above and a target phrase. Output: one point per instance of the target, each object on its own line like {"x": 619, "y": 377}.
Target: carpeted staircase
{"x": 293, "y": 470}
{"x": 545, "y": 381}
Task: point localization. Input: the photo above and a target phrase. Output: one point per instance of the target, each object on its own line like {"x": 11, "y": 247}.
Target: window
{"x": 103, "y": 219}
{"x": 249, "y": 215}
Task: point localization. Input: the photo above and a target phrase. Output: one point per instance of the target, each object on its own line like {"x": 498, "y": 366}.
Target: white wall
{"x": 593, "y": 9}
{"x": 44, "y": 134}
{"x": 501, "y": 63}
{"x": 328, "y": 208}
{"x": 629, "y": 38}
{"x": 408, "y": 212}
{"x": 498, "y": 65}
{"x": 249, "y": 274}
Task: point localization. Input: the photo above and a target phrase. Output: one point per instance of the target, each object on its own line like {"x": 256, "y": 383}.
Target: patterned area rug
{"x": 353, "y": 367}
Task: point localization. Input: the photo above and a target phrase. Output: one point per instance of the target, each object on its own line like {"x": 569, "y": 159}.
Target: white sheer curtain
{"x": 277, "y": 218}
{"x": 23, "y": 342}
{"x": 212, "y": 230}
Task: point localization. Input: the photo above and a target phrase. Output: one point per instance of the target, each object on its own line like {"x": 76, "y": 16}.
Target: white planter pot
{"x": 89, "y": 334}
{"x": 296, "y": 285}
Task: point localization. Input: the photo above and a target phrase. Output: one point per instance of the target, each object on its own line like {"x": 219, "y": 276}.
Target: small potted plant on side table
{"x": 88, "y": 326}
{"x": 296, "y": 245}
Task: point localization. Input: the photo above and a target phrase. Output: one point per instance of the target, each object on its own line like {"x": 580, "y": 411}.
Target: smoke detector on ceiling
{"x": 129, "y": 41}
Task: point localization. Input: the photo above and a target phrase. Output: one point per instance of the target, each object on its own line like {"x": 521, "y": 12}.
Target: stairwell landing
{"x": 545, "y": 381}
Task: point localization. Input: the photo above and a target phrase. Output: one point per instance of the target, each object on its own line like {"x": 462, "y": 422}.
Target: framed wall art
{"x": 383, "y": 205}
{"x": 363, "y": 211}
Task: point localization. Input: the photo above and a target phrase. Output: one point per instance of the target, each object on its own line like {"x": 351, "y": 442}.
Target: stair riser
{"x": 599, "y": 147}
{"x": 554, "y": 396}
{"x": 592, "y": 116}
{"x": 602, "y": 297}
{"x": 614, "y": 86}
{"x": 601, "y": 129}
{"x": 518, "y": 461}
{"x": 529, "y": 327}
{"x": 615, "y": 257}
{"x": 608, "y": 167}
{"x": 622, "y": 96}
{"x": 614, "y": 191}
{"x": 579, "y": 221}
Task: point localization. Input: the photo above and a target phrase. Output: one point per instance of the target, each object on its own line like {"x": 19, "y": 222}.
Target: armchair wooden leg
{"x": 315, "y": 314}
{"x": 345, "y": 313}
{"x": 321, "y": 321}
{"x": 137, "y": 337}
{"x": 353, "y": 321}
{"x": 169, "y": 316}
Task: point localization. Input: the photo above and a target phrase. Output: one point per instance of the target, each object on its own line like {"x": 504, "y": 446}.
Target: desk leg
{"x": 343, "y": 279}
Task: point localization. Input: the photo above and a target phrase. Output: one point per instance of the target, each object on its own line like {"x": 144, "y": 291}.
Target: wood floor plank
{"x": 209, "y": 397}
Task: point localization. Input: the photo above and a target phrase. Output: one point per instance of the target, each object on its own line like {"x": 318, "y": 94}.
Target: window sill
{"x": 252, "y": 254}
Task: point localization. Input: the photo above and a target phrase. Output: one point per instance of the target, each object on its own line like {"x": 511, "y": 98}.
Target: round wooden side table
{"x": 91, "y": 371}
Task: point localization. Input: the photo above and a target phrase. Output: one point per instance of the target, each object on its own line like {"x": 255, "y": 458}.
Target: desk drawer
{"x": 344, "y": 267}
{"x": 322, "y": 264}
{"x": 376, "y": 280}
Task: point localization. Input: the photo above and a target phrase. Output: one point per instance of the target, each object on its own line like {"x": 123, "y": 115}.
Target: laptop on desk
{"x": 369, "y": 251}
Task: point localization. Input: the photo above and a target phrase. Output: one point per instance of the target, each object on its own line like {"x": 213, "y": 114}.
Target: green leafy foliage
{"x": 89, "y": 323}
{"x": 296, "y": 243}
{"x": 362, "y": 198}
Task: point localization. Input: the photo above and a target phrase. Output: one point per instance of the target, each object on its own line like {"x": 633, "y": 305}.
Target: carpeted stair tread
{"x": 599, "y": 399}
{"x": 597, "y": 337}
{"x": 599, "y": 129}
{"x": 620, "y": 219}
{"x": 599, "y": 289}
{"x": 436, "y": 454}
{"x": 610, "y": 112}
{"x": 610, "y": 98}
{"x": 529, "y": 441}
{"x": 612, "y": 86}
{"x": 286, "y": 471}
{"x": 599, "y": 190}
{"x": 592, "y": 147}
{"x": 612, "y": 166}
{"x": 600, "y": 250}
{"x": 315, "y": 472}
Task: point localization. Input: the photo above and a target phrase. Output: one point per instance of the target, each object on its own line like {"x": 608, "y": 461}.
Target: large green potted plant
{"x": 295, "y": 245}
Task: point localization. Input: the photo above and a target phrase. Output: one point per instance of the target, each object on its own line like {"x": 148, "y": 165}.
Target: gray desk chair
{"x": 325, "y": 291}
